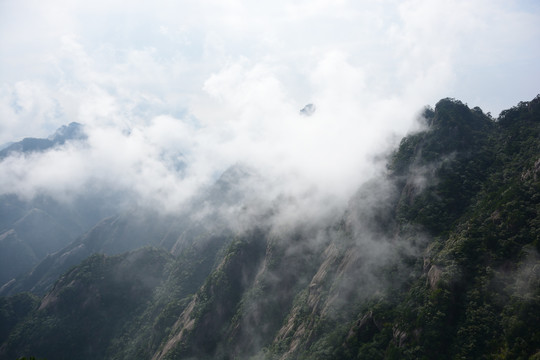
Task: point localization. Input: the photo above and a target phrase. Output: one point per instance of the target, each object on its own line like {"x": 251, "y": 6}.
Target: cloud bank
{"x": 174, "y": 93}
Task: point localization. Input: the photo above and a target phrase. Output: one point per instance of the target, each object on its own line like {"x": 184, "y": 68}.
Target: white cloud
{"x": 212, "y": 83}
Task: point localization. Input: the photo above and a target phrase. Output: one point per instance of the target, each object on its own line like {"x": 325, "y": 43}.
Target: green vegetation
{"x": 13, "y": 309}
{"x": 479, "y": 294}
{"x": 88, "y": 305}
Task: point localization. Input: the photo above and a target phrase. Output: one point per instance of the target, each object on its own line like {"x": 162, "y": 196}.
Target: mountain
{"x": 31, "y": 229}
{"x": 437, "y": 258}
{"x": 91, "y": 302}
{"x": 72, "y": 132}
{"x": 128, "y": 230}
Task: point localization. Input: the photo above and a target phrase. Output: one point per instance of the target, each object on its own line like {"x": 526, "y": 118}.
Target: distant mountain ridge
{"x": 31, "y": 229}
{"x": 125, "y": 231}
{"x": 73, "y": 131}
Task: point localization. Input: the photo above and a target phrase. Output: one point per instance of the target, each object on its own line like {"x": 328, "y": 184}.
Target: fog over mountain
{"x": 208, "y": 179}
{"x": 436, "y": 257}
{"x": 173, "y": 95}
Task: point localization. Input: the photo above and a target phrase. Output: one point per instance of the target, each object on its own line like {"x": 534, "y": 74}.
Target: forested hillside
{"x": 437, "y": 258}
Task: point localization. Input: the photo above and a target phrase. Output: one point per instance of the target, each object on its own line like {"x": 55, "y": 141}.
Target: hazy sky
{"x": 222, "y": 82}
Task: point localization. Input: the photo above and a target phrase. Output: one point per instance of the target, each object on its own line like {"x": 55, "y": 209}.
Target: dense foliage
{"x": 479, "y": 292}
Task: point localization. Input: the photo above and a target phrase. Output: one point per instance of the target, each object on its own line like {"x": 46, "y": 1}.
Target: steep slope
{"x": 13, "y": 309}
{"x": 38, "y": 232}
{"x": 199, "y": 330}
{"x": 88, "y": 305}
{"x": 474, "y": 291}
{"x": 423, "y": 265}
{"x": 30, "y": 229}
{"x": 127, "y": 230}
{"x": 113, "y": 235}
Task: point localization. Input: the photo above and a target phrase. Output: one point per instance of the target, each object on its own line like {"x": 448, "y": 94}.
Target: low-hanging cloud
{"x": 173, "y": 95}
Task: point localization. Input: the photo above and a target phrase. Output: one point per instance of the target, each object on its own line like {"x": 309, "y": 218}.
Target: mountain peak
{"x": 452, "y": 114}
{"x": 73, "y": 131}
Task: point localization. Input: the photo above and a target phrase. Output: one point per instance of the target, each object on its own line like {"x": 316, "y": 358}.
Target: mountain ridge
{"x": 72, "y": 132}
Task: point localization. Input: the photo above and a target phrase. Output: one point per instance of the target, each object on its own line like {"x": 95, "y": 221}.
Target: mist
{"x": 236, "y": 164}
{"x": 173, "y": 95}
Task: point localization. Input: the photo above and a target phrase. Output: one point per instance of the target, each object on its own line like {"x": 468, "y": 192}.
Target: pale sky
{"x": 222, "y": 82}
